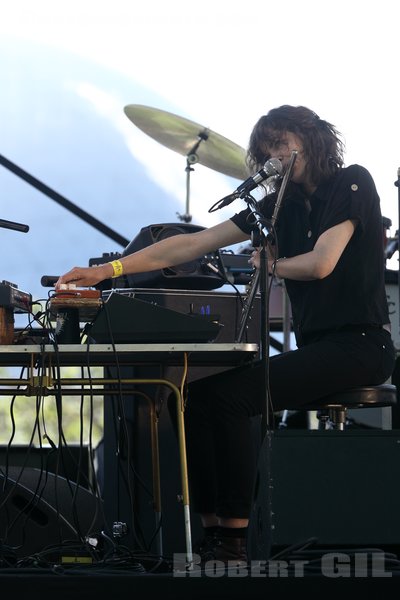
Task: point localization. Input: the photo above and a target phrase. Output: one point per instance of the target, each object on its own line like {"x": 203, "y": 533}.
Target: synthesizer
{"x": 13, "y": 298}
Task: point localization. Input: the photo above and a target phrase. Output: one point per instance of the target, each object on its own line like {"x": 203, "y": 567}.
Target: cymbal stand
{"x": 191, "y": 159}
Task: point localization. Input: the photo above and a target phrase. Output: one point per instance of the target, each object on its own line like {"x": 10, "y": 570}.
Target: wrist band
{"x": 117, "y": 268}
{"x": 275, "y": 265}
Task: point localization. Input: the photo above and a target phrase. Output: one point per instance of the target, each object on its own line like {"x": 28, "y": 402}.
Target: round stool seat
{"x": 359, "y": 397}
{"x": 333, "y": 408}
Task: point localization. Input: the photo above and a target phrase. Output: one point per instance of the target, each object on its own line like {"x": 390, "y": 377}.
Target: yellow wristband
{"x": 117, "y": 268}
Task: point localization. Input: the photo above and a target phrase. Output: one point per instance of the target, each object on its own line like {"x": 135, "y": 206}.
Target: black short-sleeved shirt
{"x": 354, "y": 293}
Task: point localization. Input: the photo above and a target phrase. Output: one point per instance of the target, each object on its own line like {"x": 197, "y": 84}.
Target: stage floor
{"x": 364, "y": 571}
{"x": 35, "y": 586}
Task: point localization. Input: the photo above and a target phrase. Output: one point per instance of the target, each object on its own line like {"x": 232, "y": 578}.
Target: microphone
{"x": 49, "y": 280}
{"x": 272, "y": 168}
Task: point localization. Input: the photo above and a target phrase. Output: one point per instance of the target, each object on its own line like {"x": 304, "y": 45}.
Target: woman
{"x": 328, "y": 248}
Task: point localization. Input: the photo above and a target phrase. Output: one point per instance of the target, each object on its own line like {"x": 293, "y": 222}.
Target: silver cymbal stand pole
{"x": 191, "y": 159}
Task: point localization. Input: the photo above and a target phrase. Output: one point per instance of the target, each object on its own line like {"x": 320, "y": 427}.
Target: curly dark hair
{"x": 322, "y": 146}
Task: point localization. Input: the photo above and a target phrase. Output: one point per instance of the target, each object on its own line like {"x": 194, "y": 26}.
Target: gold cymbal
{"x": 197, "y": 143}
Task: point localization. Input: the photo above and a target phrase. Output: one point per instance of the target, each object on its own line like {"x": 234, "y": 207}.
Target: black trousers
{"x": 219, "y": 433}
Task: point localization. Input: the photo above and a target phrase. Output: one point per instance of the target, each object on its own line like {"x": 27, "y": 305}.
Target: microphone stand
{"x": 260, "y": 239}
{"x": 261, "y": 544}
{"x": 397, "y": 184}
{"x": 261, "y": 273}
{"x": 264, "y": 280}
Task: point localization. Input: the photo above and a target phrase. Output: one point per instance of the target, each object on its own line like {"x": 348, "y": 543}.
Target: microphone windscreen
{"x": 273, "y": 166}
{"x": 49, "y": 280}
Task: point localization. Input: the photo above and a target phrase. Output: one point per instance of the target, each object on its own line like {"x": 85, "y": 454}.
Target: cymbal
{"x": 197, "y": 143}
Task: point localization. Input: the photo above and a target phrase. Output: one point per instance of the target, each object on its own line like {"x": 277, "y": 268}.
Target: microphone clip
{"x": 224, "y": 201}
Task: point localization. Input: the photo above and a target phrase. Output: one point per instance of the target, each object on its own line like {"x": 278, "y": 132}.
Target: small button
{"x": 354, "y": 187}
{"x": 309, "y": 234}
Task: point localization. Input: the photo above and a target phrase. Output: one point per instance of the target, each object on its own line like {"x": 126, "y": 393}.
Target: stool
{"x": 332, "y": 409}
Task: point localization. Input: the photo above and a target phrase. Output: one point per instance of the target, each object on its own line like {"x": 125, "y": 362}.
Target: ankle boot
{"x": 230, "y": 548}
{"x": 205, "y": 546}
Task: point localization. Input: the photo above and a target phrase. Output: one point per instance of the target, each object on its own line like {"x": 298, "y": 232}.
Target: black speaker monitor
{"x": 40, "y": 510}
{"x": 339, "y": 487}
{"x": 194, "y": 274}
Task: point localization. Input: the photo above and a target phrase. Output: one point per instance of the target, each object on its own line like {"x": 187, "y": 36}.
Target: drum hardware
{"x": 196, "y": 142}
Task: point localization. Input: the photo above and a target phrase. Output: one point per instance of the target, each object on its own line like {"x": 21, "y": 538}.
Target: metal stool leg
{"x": 323, "y": 419}
{"x": 338, "y": 417}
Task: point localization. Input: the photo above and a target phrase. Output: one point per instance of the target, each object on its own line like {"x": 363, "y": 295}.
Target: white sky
{"x": 223, "y": 63}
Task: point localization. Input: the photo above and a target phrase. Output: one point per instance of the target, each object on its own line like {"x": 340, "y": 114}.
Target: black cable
{"x": 121, "y": 420}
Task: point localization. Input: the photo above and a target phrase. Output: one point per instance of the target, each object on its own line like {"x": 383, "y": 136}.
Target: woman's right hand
{"x": 85, "y": 276}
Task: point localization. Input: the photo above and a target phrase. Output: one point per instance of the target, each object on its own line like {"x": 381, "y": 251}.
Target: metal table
{"x": 42, "y": 361}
